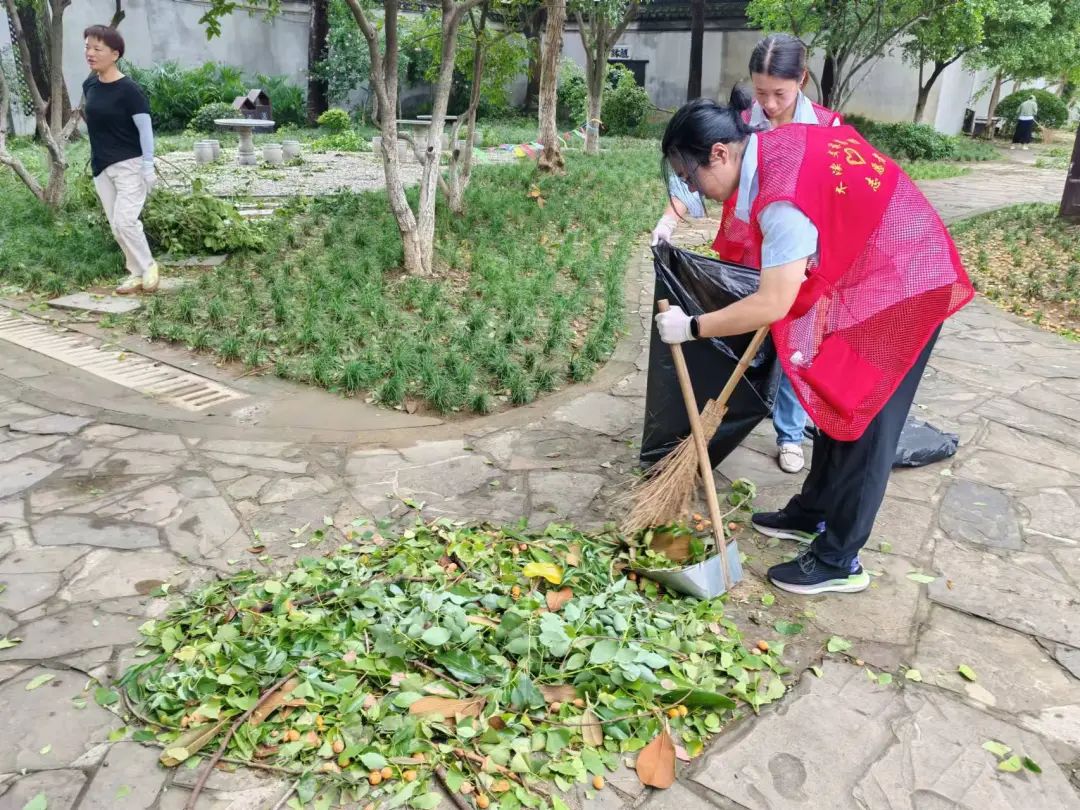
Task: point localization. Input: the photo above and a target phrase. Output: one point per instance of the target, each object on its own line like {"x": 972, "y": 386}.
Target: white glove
{"x": 674, "y": 326}
{"x": 149, "y": 176}
{"x": 664, "y": 230}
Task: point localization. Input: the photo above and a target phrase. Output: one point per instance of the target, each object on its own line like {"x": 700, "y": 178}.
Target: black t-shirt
{"x": 108, "y": 108}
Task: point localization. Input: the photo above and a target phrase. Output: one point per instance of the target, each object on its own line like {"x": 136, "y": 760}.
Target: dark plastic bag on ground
{"x": 922, "y": 443}
{"x": 699, "y": 284}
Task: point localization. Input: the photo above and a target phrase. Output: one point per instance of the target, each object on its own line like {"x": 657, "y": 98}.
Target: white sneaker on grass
{"x": 130, "y": 286}
{"x": 150, "y": 279}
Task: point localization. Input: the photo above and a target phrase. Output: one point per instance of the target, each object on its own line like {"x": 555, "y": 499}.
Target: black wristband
{"x": 695, "y": 328}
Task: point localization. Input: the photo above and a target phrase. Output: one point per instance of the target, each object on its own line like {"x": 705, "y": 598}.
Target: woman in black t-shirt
{"x": 117, "y": 118}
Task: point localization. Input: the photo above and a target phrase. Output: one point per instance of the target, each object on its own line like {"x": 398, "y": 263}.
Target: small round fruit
{"x": 420, "y": 756}
{"x": 482, "y": 801}
{"x": 292, "y": 735}
{"x": 330, "y": 767}
{"x": 312, "y": 738}
{"x": 502, "y": 786}
{"x": 683, "y": 711}
{"x": 632, "y": 576}
{"x": 733, "y": 527}
{"x": 763, "y": 646}
{"x": 409, "y": 776}
{"x": 598, "y": 782}
{"x": 579, "y": 703}
{"x": 515, "y": 592}
{"x": 673, "y": 713}
{"x": 466, "y": 788}
{"x": 387, "y": 772}
{"x": 451, "y": 568}
{"x": 374, "y": 778}
{"x": 338, "y": 746}
{"x": 369, "y": 806}
{"x": 555, "y": 706}
{"x": 515, "y": 550}
{"x": 523, "y": 547}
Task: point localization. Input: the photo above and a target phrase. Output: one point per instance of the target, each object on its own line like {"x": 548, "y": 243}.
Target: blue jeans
{"x": 788, "y": 417}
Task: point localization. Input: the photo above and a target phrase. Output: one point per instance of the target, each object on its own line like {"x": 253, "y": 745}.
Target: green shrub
{"x": 347, "y": 141}
{"x": 176, "y": 93}
{"x": 289, "y": 102}
{"x": 625, "y": 105}
{"x": 334, "y": 120}
{"x": 1052, "y": 111}
{"x": 197, "y": 223}
{"x": 572, "y": 93}
{"x": 907, "y": 142}
{"x": 203, "y": 120}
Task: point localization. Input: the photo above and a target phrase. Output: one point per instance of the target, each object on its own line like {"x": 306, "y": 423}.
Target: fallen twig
{"x": 483, "y": 762}
{"x": 459, "y": 803}
{"x": 443, "y": 677}
{"x": 194, "y": 797}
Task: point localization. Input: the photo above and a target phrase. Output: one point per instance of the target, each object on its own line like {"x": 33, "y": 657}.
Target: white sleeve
{"x": 787, "y": 235}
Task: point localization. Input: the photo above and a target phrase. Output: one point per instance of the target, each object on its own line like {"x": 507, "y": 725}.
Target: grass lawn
{"x": 529, "y": 296}
{"x": 1027, "y": 261}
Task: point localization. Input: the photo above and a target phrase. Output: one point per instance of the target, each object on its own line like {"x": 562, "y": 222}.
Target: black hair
{"x": 701, "y": 123}
{"x": 109, "y": 36}
{"x": 781, "y": 56}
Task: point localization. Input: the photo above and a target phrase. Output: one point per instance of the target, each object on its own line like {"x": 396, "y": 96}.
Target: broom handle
{"x": 698, "y": 433}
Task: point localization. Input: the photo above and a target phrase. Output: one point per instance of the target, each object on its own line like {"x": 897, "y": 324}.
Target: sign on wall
{"x": 620, "y": 52}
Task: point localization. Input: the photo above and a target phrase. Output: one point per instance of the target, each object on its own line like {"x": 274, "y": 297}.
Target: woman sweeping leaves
{"x": 858, "y": 274}
{"x": 777, "y": 73}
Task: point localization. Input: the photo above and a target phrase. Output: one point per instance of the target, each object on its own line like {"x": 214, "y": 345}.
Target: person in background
{"x": 121, "y": 137}
{"x": 858, "y": 273}
{"x": 1025, "y": 123}
{"x": 778, "y": 73}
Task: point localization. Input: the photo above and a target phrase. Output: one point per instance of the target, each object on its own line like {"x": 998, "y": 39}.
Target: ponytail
{"x": 701, "y": 123}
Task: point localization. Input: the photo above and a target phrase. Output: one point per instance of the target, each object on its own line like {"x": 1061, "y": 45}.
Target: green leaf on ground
{"x": 7, "y": 643}
{"x": 40, "y": 680}
{"x": 817, "y": 671}
{"x": 837, "y": 644}
{"x": 105, "y": 697}
{"x": 920, "y": 577}
{"x": 46, "y": 749}
{"x": 1010, "y": 765}
{"x": 967, "y": 672}
{"x": 999, "y": 750}
{"x": 435, "y": 636}
{"x": 1031, "y": 765}
{"x": 884, "y": 679}
{"x": 123, "y": 791}
{"x": 913, "y": 675}
{"x": 39, "y": 802}
{"x": 786, "y": 628}
{"x": 768, "y": 599}
{"x": 884, "y": 547}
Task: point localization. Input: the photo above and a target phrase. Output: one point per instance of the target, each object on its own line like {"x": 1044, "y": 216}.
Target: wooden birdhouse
{"x": 256, "y": 104}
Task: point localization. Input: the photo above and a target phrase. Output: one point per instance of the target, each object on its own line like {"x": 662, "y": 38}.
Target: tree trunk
{"x": 551, "y": 160}
{"x": 995, "y": 96}
{"x": 57, "y": 88}
{"x": 318, "y": 31}
{"x": 535, "y": 24}
{"x": 926, "y": 87}
{"x": 595, "y": 83}
{"x": 460, "y": 170}
{"x": 828, "y": 80}
{"x": 697, "y": 43}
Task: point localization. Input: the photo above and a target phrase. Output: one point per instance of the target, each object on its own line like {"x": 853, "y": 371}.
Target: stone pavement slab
{"x": 129, "y": 779}
{"x": 1025, "y": 591}
{"x": 46, "y": 716}
{"x": 843, "y": 741}
{"x": 89, "y": 302}
{"x": 61, "y": 788}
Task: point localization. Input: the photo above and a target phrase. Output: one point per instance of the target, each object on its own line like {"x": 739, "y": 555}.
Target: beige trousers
{"x": 122, "y": 192}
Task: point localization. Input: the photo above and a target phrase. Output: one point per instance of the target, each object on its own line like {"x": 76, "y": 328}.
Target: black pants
{"x": 1022, "y": 133}
{"x": 847, "y": 479}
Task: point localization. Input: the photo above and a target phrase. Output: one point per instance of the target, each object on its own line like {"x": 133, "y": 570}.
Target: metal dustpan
{"x": 723, "y": 570}
{"x": 705, "y": 580}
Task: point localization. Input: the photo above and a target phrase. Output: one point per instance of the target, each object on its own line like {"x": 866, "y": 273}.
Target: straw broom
{"x": 663, "y": 495}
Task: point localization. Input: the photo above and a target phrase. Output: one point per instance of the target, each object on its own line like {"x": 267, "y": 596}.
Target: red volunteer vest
{"x": 733, "y": 240}
{"x": 886, "y": 276}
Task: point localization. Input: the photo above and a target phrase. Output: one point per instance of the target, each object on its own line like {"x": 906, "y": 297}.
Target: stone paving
{"x": 94, "y": 517}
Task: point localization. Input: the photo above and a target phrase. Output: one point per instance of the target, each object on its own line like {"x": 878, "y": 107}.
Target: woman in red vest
{"x": 857, "y": 275}
{"x": 778, "y": 73}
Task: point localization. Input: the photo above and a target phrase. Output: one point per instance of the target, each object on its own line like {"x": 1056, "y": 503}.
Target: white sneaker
{"x": 791, "y": 458}
{"x": 150, "y": 279}
{"x": 130, "y": 286}
{"x": 1025, "y": 148}
{"x": 1012, "y": 148}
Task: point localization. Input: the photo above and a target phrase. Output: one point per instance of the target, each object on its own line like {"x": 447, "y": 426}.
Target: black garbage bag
{"x": 922, "y": 443}
{"x": 699, "y": 284}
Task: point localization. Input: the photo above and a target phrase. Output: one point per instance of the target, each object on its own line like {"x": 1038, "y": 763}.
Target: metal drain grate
{"x": 164, "y": 383}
